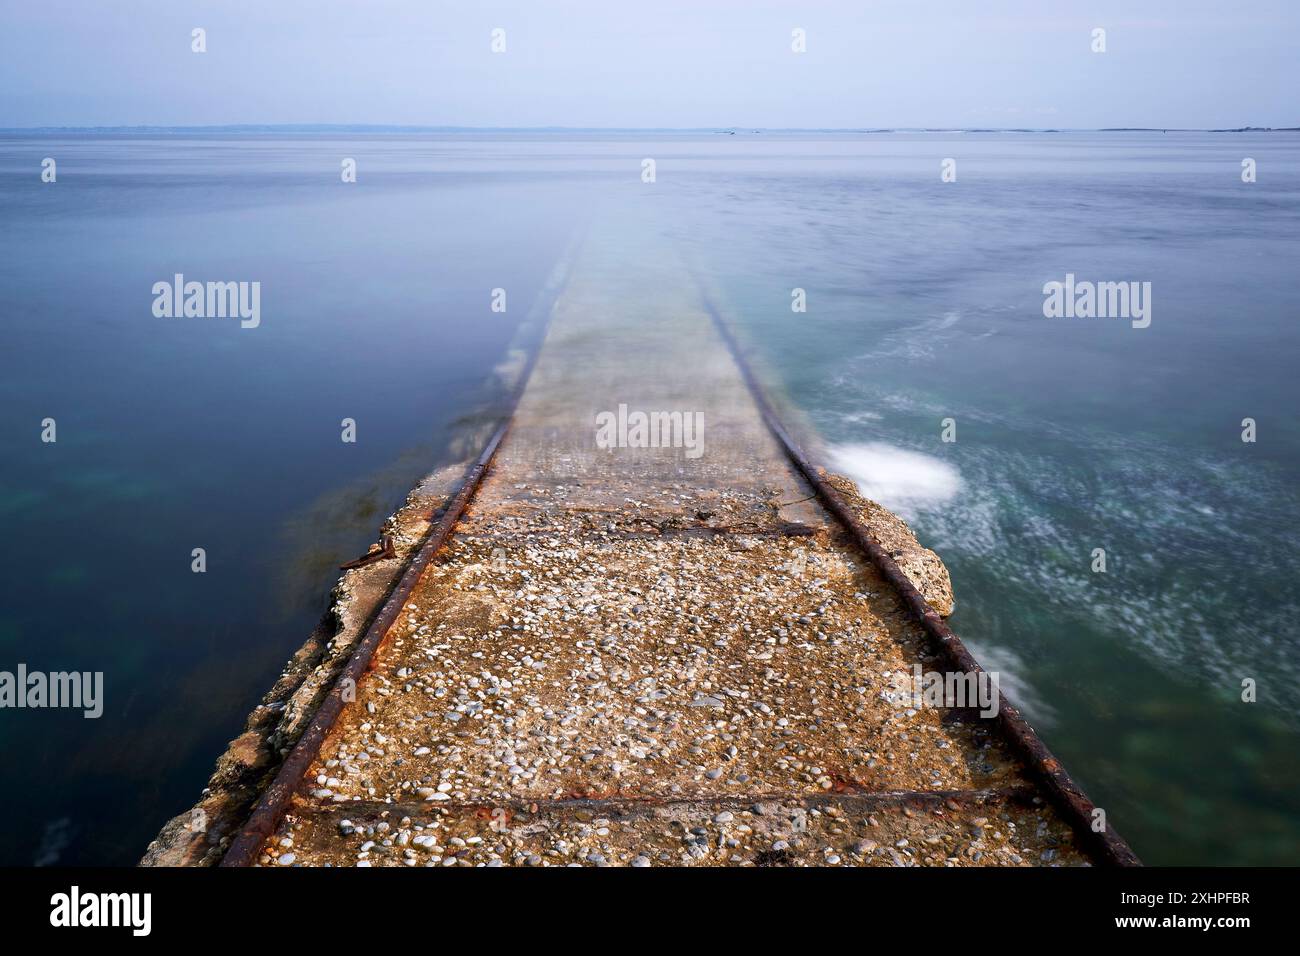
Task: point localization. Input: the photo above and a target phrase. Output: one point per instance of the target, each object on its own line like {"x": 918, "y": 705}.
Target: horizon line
{"x": 419, "y": 128}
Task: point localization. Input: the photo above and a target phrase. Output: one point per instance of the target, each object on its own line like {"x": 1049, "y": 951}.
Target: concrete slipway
{"x": 636, "y": 655}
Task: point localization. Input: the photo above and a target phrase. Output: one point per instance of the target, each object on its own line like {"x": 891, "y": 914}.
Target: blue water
{"x": 924, "y": 303}
{"x": 175, "y": 434}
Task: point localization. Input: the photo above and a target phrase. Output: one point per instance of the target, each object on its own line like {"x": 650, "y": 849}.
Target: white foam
{"x": 1011, "y": 681}
{"x": 901, "y": 480}
{"x": 857, "y": 418}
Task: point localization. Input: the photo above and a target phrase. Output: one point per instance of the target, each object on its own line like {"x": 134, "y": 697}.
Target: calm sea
{"x": 924, "y": 304}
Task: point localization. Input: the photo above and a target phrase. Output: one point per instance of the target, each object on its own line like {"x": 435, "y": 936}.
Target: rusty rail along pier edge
{"x": 1067, "y": 796}
{"x": 844, "y": 764}
{"x": 266, "y": 814}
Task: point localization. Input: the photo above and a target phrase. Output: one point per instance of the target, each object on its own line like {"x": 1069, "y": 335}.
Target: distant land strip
{"x": 385, "y": 128}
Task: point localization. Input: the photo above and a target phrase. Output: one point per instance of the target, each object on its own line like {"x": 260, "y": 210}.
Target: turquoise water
{"x": 924, "y": 303}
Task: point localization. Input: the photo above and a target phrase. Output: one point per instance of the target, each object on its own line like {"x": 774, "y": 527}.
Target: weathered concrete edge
{"x": 923, "y": 567}
{"x": 199, "y": 836}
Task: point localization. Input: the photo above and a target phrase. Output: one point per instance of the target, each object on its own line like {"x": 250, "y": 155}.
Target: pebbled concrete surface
{"x": 689, "y": 642}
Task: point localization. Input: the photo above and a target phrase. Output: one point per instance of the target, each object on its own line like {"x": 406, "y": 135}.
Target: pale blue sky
{"x": 679, "y": 63}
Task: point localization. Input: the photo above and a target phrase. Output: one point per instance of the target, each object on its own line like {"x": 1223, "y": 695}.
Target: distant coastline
{"x": 251, "y": 128}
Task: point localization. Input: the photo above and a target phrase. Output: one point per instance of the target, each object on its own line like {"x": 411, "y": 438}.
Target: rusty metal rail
{"x": 266, "y": 814}
{"x": 1106, "y": 845}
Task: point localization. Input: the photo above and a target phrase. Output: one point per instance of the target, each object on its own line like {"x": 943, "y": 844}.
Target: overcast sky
{"x": 652, "y": 63}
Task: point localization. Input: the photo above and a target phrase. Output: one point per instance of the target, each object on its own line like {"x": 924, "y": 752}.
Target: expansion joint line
{"x": 625, "y": 806}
